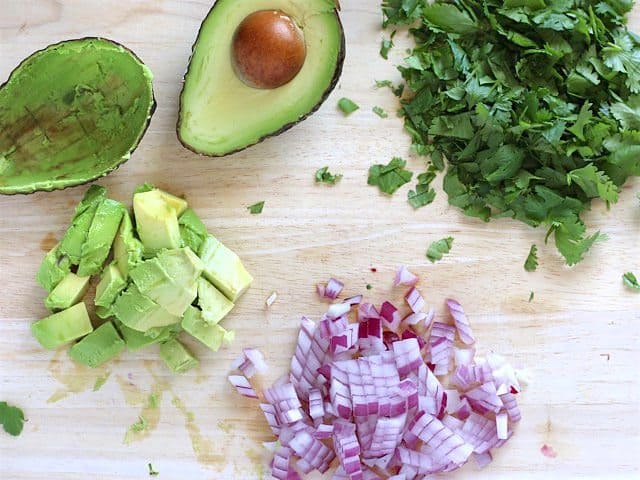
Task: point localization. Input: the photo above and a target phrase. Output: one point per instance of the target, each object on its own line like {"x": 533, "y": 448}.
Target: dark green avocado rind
{"x": 33, "y": 137}
{"x": 334, "y": 82}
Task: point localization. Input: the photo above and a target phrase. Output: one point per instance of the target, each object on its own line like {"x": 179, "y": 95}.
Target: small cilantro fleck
{"x": 531, "y": 296}
{"x": 631, "y": 281}
{"x": 380, "y": 112}
{"x": 154, "y": 400}
{"x": 397, "y": 91}
{"x": 387, "y": 44}
{"x": 390, "y": 177}
{"x": 323, "y": 175}
{"x": 531, "y": 263}
{"x": 369, "y": 286}
{"x": 140, "y": 425}
{"x": 256, "y": 209}
{"x": 100, "y": 381}
{"x": 347, "y": 106}
{"x": 438, "y": 249}
{"x": 152, "y": 472}
{"x": 423, "y": 194}
{"x": 12, "y": 419}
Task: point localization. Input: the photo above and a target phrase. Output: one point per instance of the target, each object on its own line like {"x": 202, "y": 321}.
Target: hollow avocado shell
{"x": 332, "y": 85}
{"x": 71, "y": 113}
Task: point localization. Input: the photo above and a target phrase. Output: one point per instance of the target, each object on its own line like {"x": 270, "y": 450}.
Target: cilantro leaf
{"x": 438, "y": 249}
{"x": 347, "y": 106}
{"x": 390, "y": 177}
{"x": 387, "y": 44}
{"x": 324, "y": 176}
{"x": 152, "y": 472}
{"x": 256, "y": 209}
{"x": 12, "y": 419}
{"x": 594, "y": 183}
{"x": 531, "y": 264}
{"x": 631, "y": 281}
{"x": 380, "y": 112}
{"x": 423, "y": 194}
{"x": 531, "y": 296}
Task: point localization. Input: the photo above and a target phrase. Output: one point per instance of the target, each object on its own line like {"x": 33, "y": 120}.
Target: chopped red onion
{"x": 369, "y": 389}
{"x": 414, "y": 300}
{"x": 405, "y": 277}
{"x": 243, "y": 386}
{"x": 548, "y": 451}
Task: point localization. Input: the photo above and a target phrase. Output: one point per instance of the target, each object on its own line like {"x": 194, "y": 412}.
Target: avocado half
{"x": 220, "y": 114}
{"x": 71, "y": 113}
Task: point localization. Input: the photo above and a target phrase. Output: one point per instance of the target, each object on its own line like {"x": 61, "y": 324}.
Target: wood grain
{"x": 579, "y": 338}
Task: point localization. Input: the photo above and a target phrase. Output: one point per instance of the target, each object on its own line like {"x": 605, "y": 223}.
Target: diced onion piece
{"x": 405, "y": 277}
{"x": 243, "y": 386}
{"x": 461, "y": 322}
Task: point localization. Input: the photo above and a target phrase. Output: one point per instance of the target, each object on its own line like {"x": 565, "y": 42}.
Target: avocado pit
{"x": 268, "y": 49}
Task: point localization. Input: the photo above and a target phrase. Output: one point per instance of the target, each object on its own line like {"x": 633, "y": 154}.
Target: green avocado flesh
{"x": 100, "y": 346}
{"x": 63, "y": 327}
{"x": 71, "y": 113}
{"x": 148, "y": 290}
{"x": 219, "y": 113}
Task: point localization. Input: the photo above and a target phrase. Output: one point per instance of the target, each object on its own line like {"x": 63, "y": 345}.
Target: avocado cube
{"x": 102, "y": 233}
{"x": 215, "y": 306}
{"x": 177, "y": 357}
{"x": 213, "y": 336}
{"x": 63, "y": 327}
{"x": 68, "y": 292}
{"x": 170, "y": 279}
{"x": 127, "y": 249}
{"x": 74, "y": 238}
{"x": 139, "y": 312}
{"x": 111, "y": 285}
{"x": 54, "y": 267}
{"x": 192, "y": 230}
{"x": 223, "y": 268}
{"x": 100, "y": 346}
{"x": 180, "y": 205}
{"x": 136, "y": 340}
{"x": 104, "y": 312}
{"x": 157, "y": 222}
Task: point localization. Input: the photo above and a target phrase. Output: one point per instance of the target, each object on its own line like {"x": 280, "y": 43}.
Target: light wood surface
{"x": 579, "y": 338}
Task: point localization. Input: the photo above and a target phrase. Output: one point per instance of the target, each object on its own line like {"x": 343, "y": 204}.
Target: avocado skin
{"x": 334, "y": 82}
{"x": 27, "y": 189}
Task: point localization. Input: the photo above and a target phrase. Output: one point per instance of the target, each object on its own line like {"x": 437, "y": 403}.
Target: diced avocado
{"x": 170, "y": 279}
{"x": 111, "y": 285}
{"x": 224, "y": 269}
{"x": 136, "y": 340}
{"x": 176, "y": 356}
{"x": 100, "y": 346}
{"x": 156, "y": 221}
{"x": 102, "y": 233}
{"x": 139, "y": 312}
{"x": 53, "y": 269}
{"x": 68, "y": 292}
{"x": 192, "y": 230}
{"x": 127, "y": 249}
{"x": 76, "y": 235}
{"x": 104, "y": 312}
{"x": 180, "y": 205}
{"x": 63, "y": 327}
{"x": 221, "y": 110}
{"x": 215, "y": 306}
{"x": 71, "y": 113}
{"x": 213, "y": 336}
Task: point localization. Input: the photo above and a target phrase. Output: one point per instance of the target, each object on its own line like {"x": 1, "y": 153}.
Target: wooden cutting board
{"x": 579, "y": 338}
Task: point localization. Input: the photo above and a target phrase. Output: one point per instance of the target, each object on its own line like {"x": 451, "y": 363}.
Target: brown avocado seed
{"x": 268, "y": 49}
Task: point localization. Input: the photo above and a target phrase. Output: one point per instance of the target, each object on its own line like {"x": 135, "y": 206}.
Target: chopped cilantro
{"x": 438, "y": 249}
{"x": 323, "y": 175}
{"x": 387, "y": 44}
{"x": 380, "y": 112}
{"x": 140, "y": 425}
{"x": 390, "y": 177}
{"x": 531, "y": 296}
{"x": 631, "y": 281}
{"x": 256, "y": 209}
{"x": 369, "y": 286}
{"x": 531, "y": 263}
{"x": 153, "y": 400}
{"x": 152, "y": 472}
{"x": 12, "y": 419}
{"x": 347, "y": 106}
{"x": 534, "y": 105}
{"x": 397, "y": 91}
{"x": 423, "y": 194}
